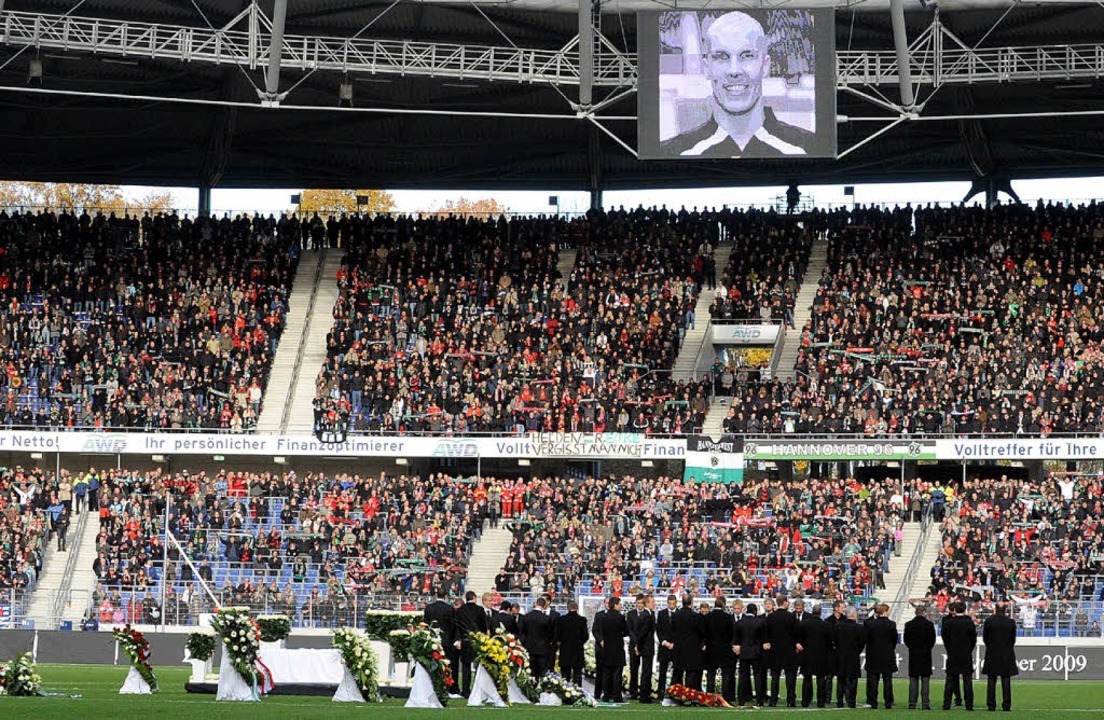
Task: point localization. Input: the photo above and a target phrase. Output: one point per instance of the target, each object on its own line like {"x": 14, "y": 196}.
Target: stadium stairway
{"x": 287, "y": 352}
{"x": 922, "y": 579}
{"x": 686, "y": 363}
{"x": 806, "y": 294}
{"x": 52, "y": 579}
{"x": 313, "y": 352}
{"x": 566, "y": 265}
{"x": 488, "y": 557}
{"x": 899, "y": 564}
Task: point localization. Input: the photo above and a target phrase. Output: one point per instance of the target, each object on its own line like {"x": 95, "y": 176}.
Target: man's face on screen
{"x": 735, "y": 62}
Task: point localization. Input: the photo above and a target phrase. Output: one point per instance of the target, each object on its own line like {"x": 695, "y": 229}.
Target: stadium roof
{"x": 145, "y": 117}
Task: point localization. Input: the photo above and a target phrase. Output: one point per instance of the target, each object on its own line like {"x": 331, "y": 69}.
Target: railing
{"x": 61, "y": 597}
{"x": 13, "y": 608}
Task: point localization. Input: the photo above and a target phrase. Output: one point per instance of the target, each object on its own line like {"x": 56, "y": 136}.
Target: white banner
{"x": 744, "y": 334}
{"x": 1021, "y": 449}
{"x": 584, "y": 445}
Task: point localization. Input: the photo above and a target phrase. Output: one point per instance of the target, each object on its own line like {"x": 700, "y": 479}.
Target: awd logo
{"x": 448, "y": 449}
{"x": 112, "y": 444}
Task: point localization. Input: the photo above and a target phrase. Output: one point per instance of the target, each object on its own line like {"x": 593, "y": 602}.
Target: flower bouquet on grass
{"x": 20, "y": 678}
{"x": 136, "y": 647}
{"x": 689, "y": 697}
{"x": 425, "y": 648}
{"x": 241, "y": 640}
{"x": 360, "y": 658}
{"x": 200, "y": 645}
{"x": 274, "y": 628}
{"x": 504, "y": 659}
{"x": 568, "y": 692}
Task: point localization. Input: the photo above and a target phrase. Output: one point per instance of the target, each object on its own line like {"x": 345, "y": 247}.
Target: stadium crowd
{"x": 826, "y": 539}
{"x": 159, "y": 322}
{"x": 29, "y": 508}
{"x": 980, "y": 322}
{"x": 1038, "y": 546}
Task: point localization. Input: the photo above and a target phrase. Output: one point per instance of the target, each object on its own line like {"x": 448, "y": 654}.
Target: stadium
{"x": 341, "y": 456}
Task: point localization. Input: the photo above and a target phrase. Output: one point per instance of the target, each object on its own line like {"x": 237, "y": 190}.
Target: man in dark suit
{"x": 612, "y": 636}
{"x": 850, "y": 641}
{"x": 719, "y": 627}
{"x": 571, "y": 637}
{"x": 634, "y": 660}
{"x": 666, "y": 642}
{"x": 999, "y": 636}
{"x": 554, "y": 616}
{"x": 595, "y": 631}
{"x": 881, "y": 656}
{"x": 747, "y": 645}
{"x": 959, "y": 640}
{"x": 816, "y": 657}
{"x": 506, "y": 619}
{"x": 783, "y": 645}
{"x": 537, "y": 634}
{"x": 439, "y": 614}
{"x": 470, "y": 618}
{"x": 838, "y": 610}
{"x": 645, "y": 642}
{"x": 920, "y": 641}
{"x": 688, "y": 630}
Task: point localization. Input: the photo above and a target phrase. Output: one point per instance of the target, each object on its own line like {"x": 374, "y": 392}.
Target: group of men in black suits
{"x": 751, "y": 655}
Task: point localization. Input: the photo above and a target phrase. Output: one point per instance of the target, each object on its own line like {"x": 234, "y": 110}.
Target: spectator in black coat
{"x": 666, "y": 642}
{"x": 599, "y": 655}
{"x": 817, "y": 661}
{"x": 920, "y": 641}
{"x": 537, "y": 636}
{"x": 645, "y": 640}
{"x": 571, "y": 637}
{"x": 881, "y": 656}
{"x": 719, "y": 627}
{"x": 749, "y": 631}
{"x": 959, "y": 640}
{"x": 850, "y": 641}
{"x": 999, "y": 636}
{"x": 612, "y": 633}
{"x": 470, "y": 618}
{"x": 782, "y": 642}
{"x": 688, "y": 630}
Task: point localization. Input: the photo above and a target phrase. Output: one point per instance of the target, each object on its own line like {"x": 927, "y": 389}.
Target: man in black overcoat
{"x": 920, "y": 641}
{"x": 817, "y": 660}
{"x": 537, "y": 636}
{"x": 881, "y": 656}
{"x": 783, "y": 645}
{"x": 470, "y": 618}
{"x": 595, "y": 632}
{"x": 850, "y": 641}
{"x": 612, "y": 636}
{"x": 631, "y": 618}
{"x": 504, "y": 618}
{"x": 688, "y": 630}
{"x": 959, "y": 640}
{"x": 747, "y": 644}
{"x": 571, "y": 637}
{"x": 439, "y": 614}
{"x": 719, "y": 627}
{"x": 666, "y": 642}
{"x": 999, "y": 636}
{"x": 645, "y": 643}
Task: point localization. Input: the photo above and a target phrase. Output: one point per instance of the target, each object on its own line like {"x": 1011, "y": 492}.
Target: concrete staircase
{"x": 806, "y": 294}
{"x": 280, "y": 379}
{"x": 929, "y": 553}
{"x": 53, "y": 579}
{"x": 487, "y": 558}
{"x": 898, "y": 565}
{"x": 566, "y": 264}
{"x": 713, "y": 426}
{"x": 686, "y": 363}
{"x": 311, "y": 350}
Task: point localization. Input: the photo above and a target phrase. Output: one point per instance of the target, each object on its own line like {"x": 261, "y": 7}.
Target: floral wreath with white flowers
{"x": 360, "y": 658}
{"x": 241, "y": 641}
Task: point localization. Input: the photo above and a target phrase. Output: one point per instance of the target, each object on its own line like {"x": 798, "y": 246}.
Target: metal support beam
{"x": 204, "y": 200}
{"x": 900, "y": 43}
{"x": 586, "y": 54}
{"x": 275, "y": 52}
{"x": 594, "y": 167}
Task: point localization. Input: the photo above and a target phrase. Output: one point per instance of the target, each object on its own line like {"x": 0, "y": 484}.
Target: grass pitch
{"x": 80, "y": 692}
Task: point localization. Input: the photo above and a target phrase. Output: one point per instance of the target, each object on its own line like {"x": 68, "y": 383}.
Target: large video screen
{"x": 738, "y": 84}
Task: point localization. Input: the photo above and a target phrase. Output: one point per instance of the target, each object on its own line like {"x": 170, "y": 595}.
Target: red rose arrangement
{"x": 695, "y": 698}
{"x": 136, "y": 647}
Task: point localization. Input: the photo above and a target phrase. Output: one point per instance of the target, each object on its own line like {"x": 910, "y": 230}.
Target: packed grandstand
{"x": 926, "y": 322}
